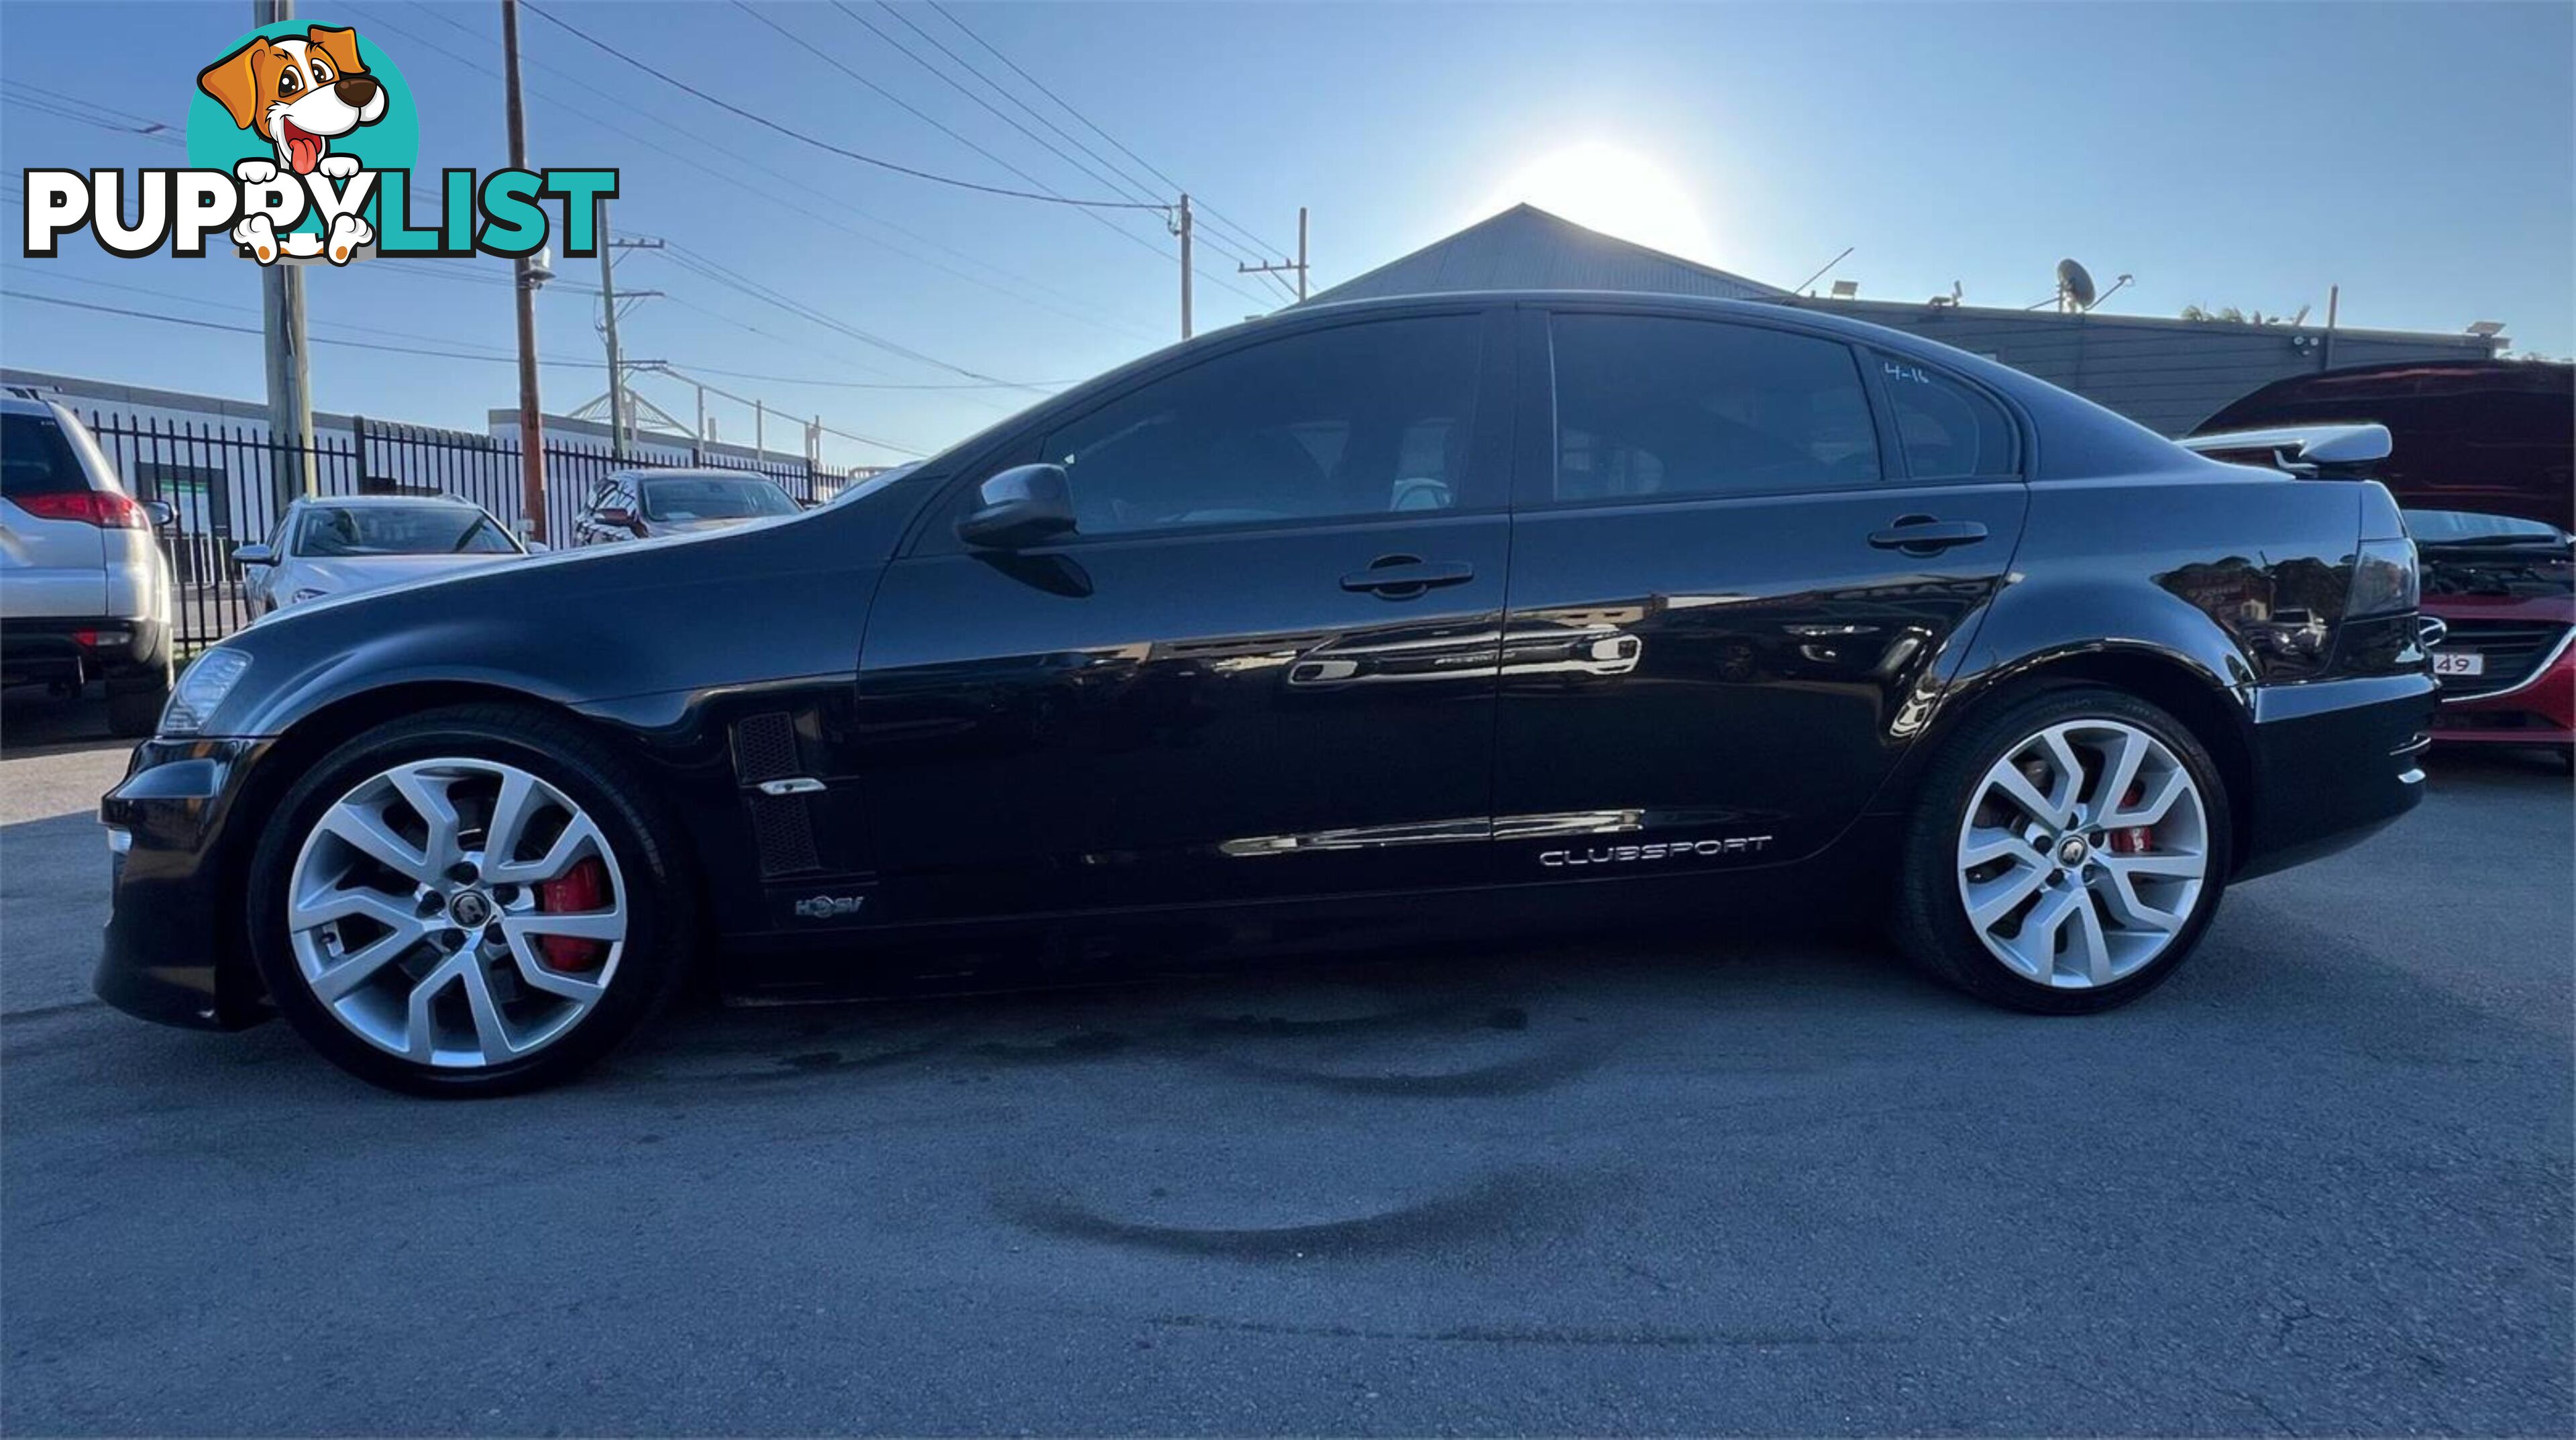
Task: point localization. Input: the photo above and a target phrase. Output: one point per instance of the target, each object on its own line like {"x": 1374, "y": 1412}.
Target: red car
{"x": 2483, "y": 457}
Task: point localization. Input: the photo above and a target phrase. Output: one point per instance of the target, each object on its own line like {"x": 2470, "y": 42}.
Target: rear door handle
{"x": 1923, "y": 535}
{"x": 1400, "y": 577}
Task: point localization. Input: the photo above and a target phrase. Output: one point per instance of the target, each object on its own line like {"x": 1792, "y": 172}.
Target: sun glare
{"x": 1613, "y": 190}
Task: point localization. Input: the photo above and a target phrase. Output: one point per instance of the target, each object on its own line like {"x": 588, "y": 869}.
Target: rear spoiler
{"x": 2306, "y": 450}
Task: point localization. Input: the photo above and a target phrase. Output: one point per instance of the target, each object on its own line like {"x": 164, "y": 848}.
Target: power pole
{"x": 532, "y": 435}
{"x": 608, "y": 327}
{"x": 1281, "y": 267}
{"x": 290, "y": 378}
{"x": 1185, "y": 265}
{"x": 621, "y": 407}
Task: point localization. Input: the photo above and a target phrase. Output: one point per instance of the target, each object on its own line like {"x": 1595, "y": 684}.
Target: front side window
{"x": 353, "y": 530}
{"x": 1649, "y": 406}
{"x": 680, "y": 499}
{"x": 1367, "y": 419}
{"x": 1949, "y": 431}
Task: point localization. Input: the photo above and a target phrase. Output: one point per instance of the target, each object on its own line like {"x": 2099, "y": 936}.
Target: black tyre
{"x": 469, "y": 902}
{"x": 2066, "y": 852}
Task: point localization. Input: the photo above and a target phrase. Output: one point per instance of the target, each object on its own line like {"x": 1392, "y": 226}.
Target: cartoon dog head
{"x": 298, "y": 94}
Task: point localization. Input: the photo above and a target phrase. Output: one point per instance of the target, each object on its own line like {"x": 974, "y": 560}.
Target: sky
{"x": 2422, "y": 157}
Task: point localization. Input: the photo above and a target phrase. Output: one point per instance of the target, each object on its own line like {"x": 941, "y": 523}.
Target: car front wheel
{"x": 2066, "y": 852}
{"x": 470, "y": 902}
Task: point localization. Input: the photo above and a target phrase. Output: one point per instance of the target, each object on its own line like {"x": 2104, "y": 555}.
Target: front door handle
{"x": 1923, "y": 535}
{"x": 1401, "y": 577}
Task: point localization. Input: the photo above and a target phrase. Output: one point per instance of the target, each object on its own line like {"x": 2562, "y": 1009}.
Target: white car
{"x": 85, "y": 591}
{"x": 341, "y": 544}
{"x": 643, "y": 504}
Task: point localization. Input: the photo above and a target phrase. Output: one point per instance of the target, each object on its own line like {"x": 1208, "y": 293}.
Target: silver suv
{"x": 84, "y": 590}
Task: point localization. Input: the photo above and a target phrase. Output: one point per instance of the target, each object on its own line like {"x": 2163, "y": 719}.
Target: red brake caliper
{"x": 583, "y": 887}
{"x": 2134, "y": 839}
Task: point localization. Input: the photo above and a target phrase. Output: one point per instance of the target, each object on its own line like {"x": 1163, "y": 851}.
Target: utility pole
{"x": 608, "y": 327}
{"x": 759, "y": 428}
{"x": 532, "y": 437}
{"x": 621, "y": 406}
{"x": 1298, "y": 265}
{"x": 1185, "y": 265}
{"x": 290, "y": 377}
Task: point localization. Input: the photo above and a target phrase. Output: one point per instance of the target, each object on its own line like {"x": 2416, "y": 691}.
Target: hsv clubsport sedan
{"x": 1485, "y": 613}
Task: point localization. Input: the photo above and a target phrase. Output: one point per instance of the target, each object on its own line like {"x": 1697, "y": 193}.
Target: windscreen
{"x": 350, "y": 530}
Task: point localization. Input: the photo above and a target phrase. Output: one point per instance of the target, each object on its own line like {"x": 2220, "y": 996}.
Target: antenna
{"x": 2074, "y": 287}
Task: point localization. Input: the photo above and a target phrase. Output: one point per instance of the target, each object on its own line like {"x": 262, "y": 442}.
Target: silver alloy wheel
{"x": 2083, "y": 853}
{"x": 415, "y": 912}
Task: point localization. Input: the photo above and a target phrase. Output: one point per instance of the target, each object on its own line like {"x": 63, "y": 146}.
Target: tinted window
{"x": 1652, "y": 406}
{"x": 1358, "y": 420}
{"x": 35, "y": 459}
{"x": 705, "y": 497}
{"x": 401, "y": 530}
{"x": 1948, "y": 430}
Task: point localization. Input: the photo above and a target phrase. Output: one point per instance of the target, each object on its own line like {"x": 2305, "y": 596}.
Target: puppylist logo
{"x": 301, "y": 144}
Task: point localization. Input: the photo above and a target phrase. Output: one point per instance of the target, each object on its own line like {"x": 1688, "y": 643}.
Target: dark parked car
{"x": 2483, "y": 456}
{"x": 1477, "y": 614}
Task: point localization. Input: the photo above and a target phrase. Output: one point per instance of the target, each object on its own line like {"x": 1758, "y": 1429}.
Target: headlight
{"x": 2384, "y": 579}
{"x": 304, "y": 593}
{"x": 201, "y": 689}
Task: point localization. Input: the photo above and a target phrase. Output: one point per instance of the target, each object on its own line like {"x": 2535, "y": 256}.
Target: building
{"x": 2166, "y": 374}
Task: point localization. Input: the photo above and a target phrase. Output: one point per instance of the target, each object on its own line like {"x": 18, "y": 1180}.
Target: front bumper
{"x": 2334, "y": 762}
{"x": 2538, "y": 711}
{"x": 176, "y": 945}
{"x": 73, "y": 647}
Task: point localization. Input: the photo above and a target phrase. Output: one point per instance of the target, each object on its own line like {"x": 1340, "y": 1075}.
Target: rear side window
{"x": 1358, "y": 420}
{"x": 36, "y": 459}
{"x": 1652, "y": 406}
{"x": 1948, "y": 430}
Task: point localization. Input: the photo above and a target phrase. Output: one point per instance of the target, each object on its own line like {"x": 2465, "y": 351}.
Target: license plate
{"x": 2459, "y": 662}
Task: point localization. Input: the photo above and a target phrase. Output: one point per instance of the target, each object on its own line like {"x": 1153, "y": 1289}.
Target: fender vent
{"x": 785, "y": 834}
{"x": 764, "y": 747}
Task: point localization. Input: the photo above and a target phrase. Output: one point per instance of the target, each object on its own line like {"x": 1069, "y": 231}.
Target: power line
{"x": 818, "y": 143}
{"x": 437, "y": 354}
{"x": 907, "y": 106}
{"x": 1122, "y": 181}
{"x": 730, "y": 175}
{"x": 691, "y": 260}
{"x": 1249, "y": 238}
{"x": 1128, "y": 235}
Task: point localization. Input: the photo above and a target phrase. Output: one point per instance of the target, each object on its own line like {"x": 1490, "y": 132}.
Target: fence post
{"x": 358, "y": 438}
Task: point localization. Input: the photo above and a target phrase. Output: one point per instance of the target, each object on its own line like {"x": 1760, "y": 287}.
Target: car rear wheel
{"x": 470, "y": 902}
{"x": 2066, "y": 852}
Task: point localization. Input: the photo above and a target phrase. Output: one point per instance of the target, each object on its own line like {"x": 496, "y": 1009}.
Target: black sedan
{"x": 1487, "y": 613}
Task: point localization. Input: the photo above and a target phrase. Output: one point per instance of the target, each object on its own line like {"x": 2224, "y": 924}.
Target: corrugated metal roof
{"x": 1526, "y": 248}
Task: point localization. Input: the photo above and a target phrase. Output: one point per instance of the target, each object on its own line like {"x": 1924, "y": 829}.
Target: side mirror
{"x": 1024, "y": 505}
{"x": 159, "y": 513}
{"x": 621, "y": 518}
{"x": 254, "y": 554}
{"x": 537, "y": 547}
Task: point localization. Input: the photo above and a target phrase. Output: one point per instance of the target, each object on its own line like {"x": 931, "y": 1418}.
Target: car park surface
{"x": 1767, "y": 1182}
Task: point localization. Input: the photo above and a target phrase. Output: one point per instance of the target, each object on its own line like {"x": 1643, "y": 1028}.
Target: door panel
{"x": 1177, "y": 720}
{"x": 1262, "y": 666}
{"x": 1727, "y": 603}
{"x": 1740, "y": 671}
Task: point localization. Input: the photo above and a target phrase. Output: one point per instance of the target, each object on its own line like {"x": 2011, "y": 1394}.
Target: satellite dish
{"x": 2074, "y": 286}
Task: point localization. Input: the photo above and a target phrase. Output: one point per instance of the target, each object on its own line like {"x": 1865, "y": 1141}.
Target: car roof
{"x": 369, "y": 502}
{"x": 691, "y": 472}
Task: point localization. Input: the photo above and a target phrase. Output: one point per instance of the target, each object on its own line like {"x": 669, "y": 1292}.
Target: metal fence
{"x": 219, "y": 482}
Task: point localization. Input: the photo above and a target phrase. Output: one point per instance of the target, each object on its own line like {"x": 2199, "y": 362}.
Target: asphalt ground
{"x": 2319, "y": 1183}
